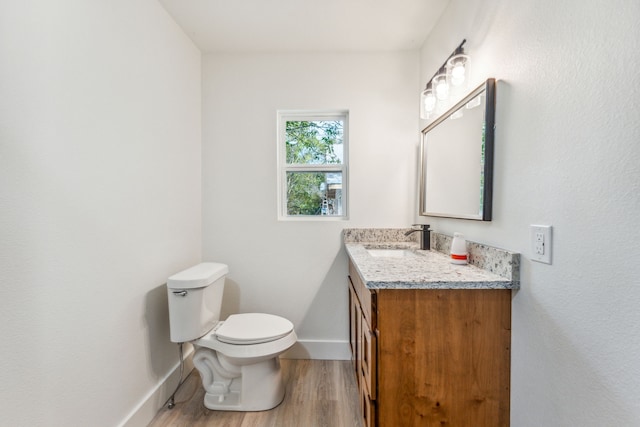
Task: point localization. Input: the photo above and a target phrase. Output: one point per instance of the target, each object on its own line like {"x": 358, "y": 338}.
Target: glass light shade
{"x": 441, "y": 86}
{"x": 458, "y": 68}
{"x": 427, "y": 103}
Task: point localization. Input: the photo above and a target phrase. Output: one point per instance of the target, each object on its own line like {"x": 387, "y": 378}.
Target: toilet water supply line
{"x": 172, "y": 399}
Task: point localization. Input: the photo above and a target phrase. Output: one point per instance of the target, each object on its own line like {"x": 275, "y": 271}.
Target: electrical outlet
{"x": 541, "y": 243}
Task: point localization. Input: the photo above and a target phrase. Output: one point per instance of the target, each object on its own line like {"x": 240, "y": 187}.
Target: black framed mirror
{"x": 456, "y": 158}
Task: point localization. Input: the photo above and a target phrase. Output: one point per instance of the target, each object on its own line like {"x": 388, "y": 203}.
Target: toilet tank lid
{"x": 197, "y": 276}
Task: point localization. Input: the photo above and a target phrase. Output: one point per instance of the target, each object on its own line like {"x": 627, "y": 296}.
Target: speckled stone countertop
{"x": 427, "y": 269}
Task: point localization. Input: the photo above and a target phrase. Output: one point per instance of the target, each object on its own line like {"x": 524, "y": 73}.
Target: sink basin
{"x": 389, "y": 253}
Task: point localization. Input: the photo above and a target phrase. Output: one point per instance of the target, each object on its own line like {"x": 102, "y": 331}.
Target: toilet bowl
{"x": 238, "y": 359}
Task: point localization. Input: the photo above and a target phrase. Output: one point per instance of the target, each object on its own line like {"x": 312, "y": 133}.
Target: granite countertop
{"x": 419, "y": 269}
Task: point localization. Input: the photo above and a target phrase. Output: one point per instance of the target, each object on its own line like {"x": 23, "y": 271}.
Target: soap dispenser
{"x": 459, "y": 253}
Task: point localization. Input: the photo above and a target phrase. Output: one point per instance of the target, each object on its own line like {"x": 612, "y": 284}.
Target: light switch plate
{"x": 541, "y": 243}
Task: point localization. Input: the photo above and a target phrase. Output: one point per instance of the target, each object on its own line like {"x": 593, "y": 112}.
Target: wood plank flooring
{"x": 319, "y": 393}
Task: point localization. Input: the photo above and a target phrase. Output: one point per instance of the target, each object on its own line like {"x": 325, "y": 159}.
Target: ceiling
{"x": 306, "y": 25}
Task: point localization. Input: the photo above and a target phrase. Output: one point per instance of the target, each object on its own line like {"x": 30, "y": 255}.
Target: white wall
{"x": 99, "y": 203}
{"x": 298, "y": 269}
{"x": 100, "y": 195}
{"x": 567, "y": 154}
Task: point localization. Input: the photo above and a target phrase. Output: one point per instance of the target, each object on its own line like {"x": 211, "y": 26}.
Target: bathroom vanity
{"x": 430, "y": 340}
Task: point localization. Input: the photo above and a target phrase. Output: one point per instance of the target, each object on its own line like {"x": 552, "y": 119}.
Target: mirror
{"x": 456, "y": 158}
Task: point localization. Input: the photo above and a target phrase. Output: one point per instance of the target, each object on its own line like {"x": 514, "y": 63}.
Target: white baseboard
{"x": 319, "y": 350}
{"x": 142, "y": 415}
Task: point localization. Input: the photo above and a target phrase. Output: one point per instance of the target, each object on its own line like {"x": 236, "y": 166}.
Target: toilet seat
{"x": 252, "y": 328}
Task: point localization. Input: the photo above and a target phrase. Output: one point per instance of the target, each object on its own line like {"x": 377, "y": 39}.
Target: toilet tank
{"x": 195, "y": 299}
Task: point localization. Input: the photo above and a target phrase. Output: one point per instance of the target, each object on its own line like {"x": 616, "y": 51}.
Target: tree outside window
{"x": 313, "y": 164}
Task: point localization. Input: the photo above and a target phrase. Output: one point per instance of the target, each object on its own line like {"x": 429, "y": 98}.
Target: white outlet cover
{"x": 536, "y": 255}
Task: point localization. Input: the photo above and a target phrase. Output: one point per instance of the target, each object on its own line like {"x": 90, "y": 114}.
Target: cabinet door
{"x": 353, "y": 320}
{"x": 444, "y": 357}
{"x": 367, "y": 409}
{"x": 369, "y": 359}
{"x": 358, "y": 360}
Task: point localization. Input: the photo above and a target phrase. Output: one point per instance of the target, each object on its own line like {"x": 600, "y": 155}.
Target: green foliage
{"x": 304, "y": 196}
{"x": 313, "y": 142}
{"x": 310, "y": 143}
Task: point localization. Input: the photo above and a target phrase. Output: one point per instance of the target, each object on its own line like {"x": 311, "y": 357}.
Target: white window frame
{"x": 283, "y": 167}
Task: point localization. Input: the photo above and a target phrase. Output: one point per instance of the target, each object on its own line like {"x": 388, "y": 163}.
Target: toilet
{"x": 238, "y": 359}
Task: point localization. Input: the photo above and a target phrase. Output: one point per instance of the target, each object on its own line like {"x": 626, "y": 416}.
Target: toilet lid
{"x": 253, "y": 328}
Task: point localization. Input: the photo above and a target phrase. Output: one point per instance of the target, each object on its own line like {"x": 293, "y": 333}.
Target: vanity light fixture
{"x": 450, "y": 79}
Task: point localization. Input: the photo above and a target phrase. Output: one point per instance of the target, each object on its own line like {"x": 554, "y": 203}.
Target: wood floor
{"x": 319, "y": 393}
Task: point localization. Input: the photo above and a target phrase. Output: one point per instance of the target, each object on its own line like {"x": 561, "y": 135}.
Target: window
{"x": 312, "y": 164}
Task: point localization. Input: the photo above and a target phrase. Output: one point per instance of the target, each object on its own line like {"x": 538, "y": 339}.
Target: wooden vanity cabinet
{"x": 431, "y": 357}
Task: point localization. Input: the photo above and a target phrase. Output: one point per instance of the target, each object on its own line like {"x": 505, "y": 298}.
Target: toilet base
{"x": 254, "y": 387}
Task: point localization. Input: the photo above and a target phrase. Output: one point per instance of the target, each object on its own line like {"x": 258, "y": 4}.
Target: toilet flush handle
{"x": 180, "y": 293}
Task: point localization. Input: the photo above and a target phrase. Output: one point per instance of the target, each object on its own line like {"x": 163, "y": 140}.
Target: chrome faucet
{"x": 425, "y": 236}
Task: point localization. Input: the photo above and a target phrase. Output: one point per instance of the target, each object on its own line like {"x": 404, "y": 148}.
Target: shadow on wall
{"x": 162, "y": 352}
{"x": 333, "y": 292}
{"x": 230, "y": 298}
